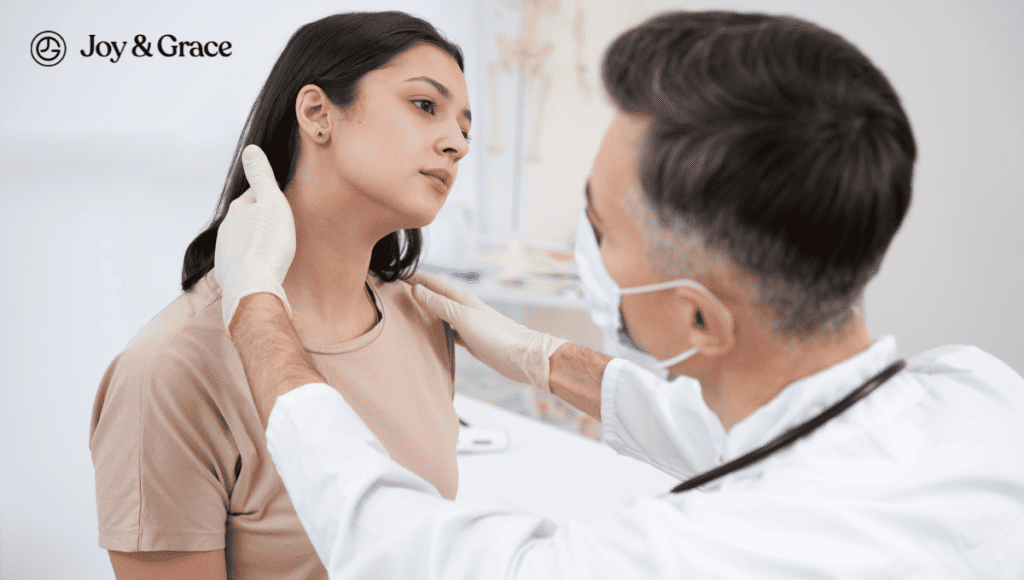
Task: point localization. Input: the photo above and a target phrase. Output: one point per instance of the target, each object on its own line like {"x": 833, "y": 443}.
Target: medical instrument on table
{"x": 481, "y": 439}
{"x": 792, "y": 434}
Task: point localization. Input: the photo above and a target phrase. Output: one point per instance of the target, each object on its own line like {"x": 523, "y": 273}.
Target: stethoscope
{"x": 791, "y": 435}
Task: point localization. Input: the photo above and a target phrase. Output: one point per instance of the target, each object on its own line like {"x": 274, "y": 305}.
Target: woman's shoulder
{"x": 399, "y": 301}
{"x": 183, "y": 317}
{"x": 397, "y": 297}
{"x": 187, "y": 333}
{"x": 181, "y": 368}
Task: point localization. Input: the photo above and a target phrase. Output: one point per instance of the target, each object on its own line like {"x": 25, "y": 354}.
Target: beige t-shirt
{"x": 180, "y": 453}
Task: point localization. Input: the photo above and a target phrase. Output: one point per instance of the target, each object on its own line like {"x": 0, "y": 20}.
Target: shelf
{"x": 564, "y": 294}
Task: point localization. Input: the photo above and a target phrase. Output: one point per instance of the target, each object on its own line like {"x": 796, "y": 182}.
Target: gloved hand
{"x": 256, "y": 240}
{"x": 516, "y": 352}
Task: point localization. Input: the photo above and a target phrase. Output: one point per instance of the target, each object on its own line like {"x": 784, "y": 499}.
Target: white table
{"x": 549, "y": 471}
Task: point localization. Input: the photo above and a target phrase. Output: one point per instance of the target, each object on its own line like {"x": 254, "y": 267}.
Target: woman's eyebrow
{"x": 443, "y": 90}
{"x": 440, "y": 88}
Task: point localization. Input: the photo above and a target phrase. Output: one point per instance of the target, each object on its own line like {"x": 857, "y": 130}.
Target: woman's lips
{"x": 441, "y": 175}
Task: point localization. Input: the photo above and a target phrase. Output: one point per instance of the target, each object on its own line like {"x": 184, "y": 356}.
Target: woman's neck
{"x": 325, "y": 284}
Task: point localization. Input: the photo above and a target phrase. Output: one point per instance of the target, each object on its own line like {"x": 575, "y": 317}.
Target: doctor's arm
{"x": 359, "y": 508}
{"x": 664, "y": 424}
{"x": 576, "y": 375}
{"x": 546, "y": 362}
{"x": 369, "y": 517}
{"x": 271, "y": 352}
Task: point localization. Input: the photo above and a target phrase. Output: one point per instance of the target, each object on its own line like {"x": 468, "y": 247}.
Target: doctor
{"x": 752, "y": 179}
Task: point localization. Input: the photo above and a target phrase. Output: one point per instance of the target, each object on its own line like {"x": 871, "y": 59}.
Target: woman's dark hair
{"x": 333, "y": 53}
{"x": 779, "y": 143}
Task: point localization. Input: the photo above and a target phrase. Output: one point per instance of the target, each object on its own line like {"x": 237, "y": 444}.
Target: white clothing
{"x": 922, "y": 479}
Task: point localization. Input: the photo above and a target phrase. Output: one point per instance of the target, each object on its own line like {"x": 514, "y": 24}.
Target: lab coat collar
{"x": 807, "y": 397}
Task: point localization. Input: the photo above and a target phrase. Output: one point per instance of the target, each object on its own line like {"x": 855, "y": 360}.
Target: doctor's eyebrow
{"x": 447, "y": 94}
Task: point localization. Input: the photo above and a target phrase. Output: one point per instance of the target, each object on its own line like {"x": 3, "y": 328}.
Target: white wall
{"x": 108, "y": 170}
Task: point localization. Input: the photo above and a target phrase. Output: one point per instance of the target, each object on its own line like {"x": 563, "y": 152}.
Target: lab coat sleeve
{"x": 369, "y": 517}
{"x": 665, "y": 424}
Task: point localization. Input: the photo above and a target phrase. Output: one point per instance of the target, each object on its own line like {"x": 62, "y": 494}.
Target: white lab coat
{"x": 922, "y": 479}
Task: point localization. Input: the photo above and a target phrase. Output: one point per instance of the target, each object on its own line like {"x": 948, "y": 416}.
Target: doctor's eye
{"x": 426, "y": 105}
{"x": 597, "y": 233}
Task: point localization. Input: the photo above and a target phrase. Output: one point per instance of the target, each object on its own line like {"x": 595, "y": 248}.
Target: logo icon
{"x": 48, "y": 48}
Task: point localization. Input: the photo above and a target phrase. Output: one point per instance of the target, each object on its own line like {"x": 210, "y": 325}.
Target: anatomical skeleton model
{"x": 530, "y": 55}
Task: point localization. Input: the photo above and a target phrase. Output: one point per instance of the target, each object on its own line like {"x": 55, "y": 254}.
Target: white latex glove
{"x": 256, "y": 240}
{"x": 514, "y": 351}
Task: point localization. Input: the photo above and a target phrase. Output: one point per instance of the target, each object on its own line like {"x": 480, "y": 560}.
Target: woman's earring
{"x": 319, "y": 134}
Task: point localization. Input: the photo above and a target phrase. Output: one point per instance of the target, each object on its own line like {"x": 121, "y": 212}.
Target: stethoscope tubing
{"x": 793, "y": 434}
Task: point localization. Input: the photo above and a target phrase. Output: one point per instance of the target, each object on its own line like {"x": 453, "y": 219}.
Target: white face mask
{"x": 603, "y": 295}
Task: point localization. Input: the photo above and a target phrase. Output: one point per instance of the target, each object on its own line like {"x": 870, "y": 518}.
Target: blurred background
{"x": 108, "y": 170}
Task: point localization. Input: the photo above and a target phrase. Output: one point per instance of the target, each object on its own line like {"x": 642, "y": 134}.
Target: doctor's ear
{"x": 312, "y": 110}
{"x": 712, "y": 330}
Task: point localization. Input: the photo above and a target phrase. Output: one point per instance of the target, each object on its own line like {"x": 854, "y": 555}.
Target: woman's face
{"x": 399, "y": 144}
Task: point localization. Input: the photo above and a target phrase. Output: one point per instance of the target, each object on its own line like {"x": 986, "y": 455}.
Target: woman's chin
{"x": 417, "y": 219}
{"x": 412, "y": 212}
{"x": 423, "y": 214}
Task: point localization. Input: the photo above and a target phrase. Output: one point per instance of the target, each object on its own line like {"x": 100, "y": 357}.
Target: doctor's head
{"x": 370, "y": 110}
{"x": 762, "y": 156}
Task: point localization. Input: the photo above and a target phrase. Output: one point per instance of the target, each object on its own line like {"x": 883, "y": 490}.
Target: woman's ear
{"x": 312, "y": 108}
{"x": 711, "y": 326}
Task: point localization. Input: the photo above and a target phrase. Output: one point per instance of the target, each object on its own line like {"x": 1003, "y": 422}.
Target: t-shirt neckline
{"x": 359, "y": 341}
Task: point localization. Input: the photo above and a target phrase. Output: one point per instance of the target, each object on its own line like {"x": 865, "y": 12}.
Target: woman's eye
{"x": 426, "y": 105}
{"x": 467, "y": 137}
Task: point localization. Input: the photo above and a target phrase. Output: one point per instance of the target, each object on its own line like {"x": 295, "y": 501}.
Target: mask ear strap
{"x": 659, "y": 286}
{"x": 664, "y": 364}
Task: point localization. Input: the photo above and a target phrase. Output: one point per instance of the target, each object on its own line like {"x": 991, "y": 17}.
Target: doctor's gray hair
{"x": 774, "y": 143}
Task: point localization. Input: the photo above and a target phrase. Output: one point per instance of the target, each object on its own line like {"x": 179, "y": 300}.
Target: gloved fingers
{"x": 266, "y": 219}
{"x": 434, "y": 283}
{"x": 258, "y": 172}
{"x": 440, "y": 306}
{"x": 256, "y": 239}
{"x": 443, "y": 288}
{"x": 239, "y": 205}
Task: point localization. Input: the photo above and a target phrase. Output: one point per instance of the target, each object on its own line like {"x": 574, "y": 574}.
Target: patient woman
{"x": 364, "y": 118}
